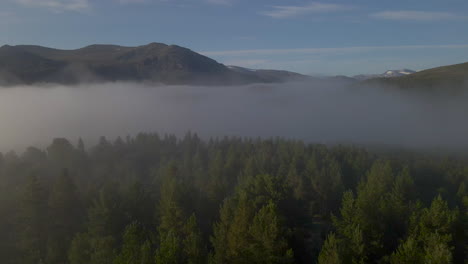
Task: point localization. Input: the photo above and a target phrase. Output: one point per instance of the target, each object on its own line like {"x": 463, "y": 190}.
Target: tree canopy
{"x": 161, "y": 199}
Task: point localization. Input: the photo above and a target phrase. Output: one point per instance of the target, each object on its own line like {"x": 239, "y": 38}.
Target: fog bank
{"x": 319, "y": 114}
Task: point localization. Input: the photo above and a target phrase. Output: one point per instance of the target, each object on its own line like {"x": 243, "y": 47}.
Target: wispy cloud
{"x": 325, "y": 50}
{"x": 178, "y": 2}
{"x": 57, "y": 5}
{"x": 293, "y": 11}
{"x": 416, "y": 15}
{"x": 220, "y": 2}
{"x": 132, "y": 1}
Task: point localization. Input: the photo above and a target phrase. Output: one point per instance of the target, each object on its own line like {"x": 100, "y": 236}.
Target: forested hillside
{"x": 160, "y": 199}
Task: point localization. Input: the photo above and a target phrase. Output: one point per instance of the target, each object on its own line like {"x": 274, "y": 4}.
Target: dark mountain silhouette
{"x": 155, "y": 62}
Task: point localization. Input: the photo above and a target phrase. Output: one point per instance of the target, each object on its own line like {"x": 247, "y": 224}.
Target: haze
{"x": 313, "y": 113}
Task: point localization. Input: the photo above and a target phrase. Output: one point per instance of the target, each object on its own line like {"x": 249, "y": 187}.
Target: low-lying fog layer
{"x": 35, "y": 115}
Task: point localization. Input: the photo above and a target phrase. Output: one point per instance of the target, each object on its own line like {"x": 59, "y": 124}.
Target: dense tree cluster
{"x": 154, "y": 199}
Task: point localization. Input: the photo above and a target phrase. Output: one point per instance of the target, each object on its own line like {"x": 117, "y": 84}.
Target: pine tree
{"x": 146, "y": 253}
{"x": 170, "y": 210}
{"x": 81, "y": 146}
{"x": 242, "y": 235}
{"x": 180, "y": 239}
{"x": 33, "y": 221}
{"x": 135, "y": 246}
{"x": 437, "y": 250}
{"x": 430, "y": 236}
{"x": 330, "y": 253}
{"x": 103, "y": 250}
{"x": 407, "y": 253}
{"x": 105, "y": 224}
{"x": 367, "y": 220}
{"x": 192, "y": 243}
{"x": 219, "y": 239}
{"x": 64, "y": 218}
{"x": 327, "y": 185}
{"x": 61, "y": 153}
{"x": 169, "y": 249}
{"x": 267, "y": 243}
{"x": 80, "y": 249}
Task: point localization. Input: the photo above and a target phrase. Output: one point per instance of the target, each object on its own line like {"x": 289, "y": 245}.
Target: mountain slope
{"x": 277, "y": 76}
{"x": 446, "y": 77}
{"x": 17, "y": 66}
{"x": 387, "y": 74}
{"x": 270, "y": 75}
{"x": 154, "y": 62}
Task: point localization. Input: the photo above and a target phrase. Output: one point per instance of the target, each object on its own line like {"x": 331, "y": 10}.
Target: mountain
{"x": 270, "y": 75}
{"x": 452, "y": 77}
{"x": 155, "y": 62}
{"x": 387, "y": 74}
{"x": 287, "y": 76}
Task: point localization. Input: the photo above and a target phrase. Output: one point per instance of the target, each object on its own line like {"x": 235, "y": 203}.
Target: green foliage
{"x": 154, "y": 198}
{"x": 80, "y": 249}
{"x": 135, "y": 247}
{"x": 169, "y": 249}
{"x": 407, "y": 253}
{"x": 65, "y": 216}
{"x": 438, "y": 218}
{"x": 192, "y": 243}
{"x": 430, "y": 235}
{"x": 330, "y": 253}
{"x": 105, "y": 215}
{"x": 437, "y": 250}
{"x": 180, "y": 238}
{"x": 327, "y": 185}
{"x": 250, "y": 229}
{"x": 33, "y": 219}
{"x": 103, "y": 250}
{"x": 171, "y": 203}
{"x": 268, "y": 243}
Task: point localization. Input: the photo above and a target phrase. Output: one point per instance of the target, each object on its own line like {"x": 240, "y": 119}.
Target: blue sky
{"x": 324, "y": 37}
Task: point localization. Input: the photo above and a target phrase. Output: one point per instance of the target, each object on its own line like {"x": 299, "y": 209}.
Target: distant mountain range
{"x": 270, "y": 75}
{"x": 387, "y": 74}
{"x": 155, "y": 62}
{"x": 172, "y": 64}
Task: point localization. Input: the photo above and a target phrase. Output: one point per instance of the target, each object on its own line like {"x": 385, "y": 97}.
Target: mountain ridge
{"x": 444, "y": 77}
{"x": 154, "y": 62}
{"x": 386, "y": 74}
{"x": 173, "y": 64}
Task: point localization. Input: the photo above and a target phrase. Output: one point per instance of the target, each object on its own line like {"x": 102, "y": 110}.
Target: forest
{"x": 154, "y": 199}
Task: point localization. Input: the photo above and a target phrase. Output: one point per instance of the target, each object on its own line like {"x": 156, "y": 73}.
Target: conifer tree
{"x": 65, "y": 216}
{"x": 33, "y": 222}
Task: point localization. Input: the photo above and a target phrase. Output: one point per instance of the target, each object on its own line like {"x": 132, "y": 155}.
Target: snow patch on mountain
{"x": 387, "y": 74}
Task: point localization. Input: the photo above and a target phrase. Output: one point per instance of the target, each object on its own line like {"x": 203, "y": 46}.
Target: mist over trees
{"x": 162, "y": 199}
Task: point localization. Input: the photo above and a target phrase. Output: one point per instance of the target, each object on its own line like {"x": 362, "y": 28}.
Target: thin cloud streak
{"x": 57, "y": 5}
{"x": 326, "y": 50}
{"x": 220, "y": 2}
{"x": 132, "y": 1}
{"x": 281, "y": 12}
{"x": 423, "y": 16}
{"x": 212, "y": 2}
